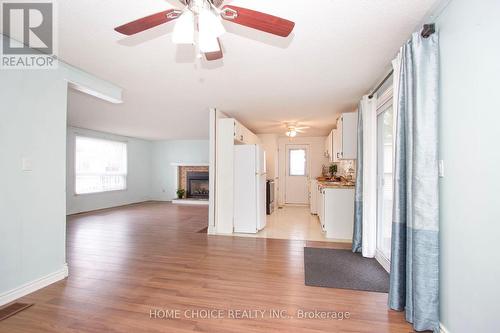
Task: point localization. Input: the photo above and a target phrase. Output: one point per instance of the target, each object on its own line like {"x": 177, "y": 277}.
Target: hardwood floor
{"x": 129, "y": 261}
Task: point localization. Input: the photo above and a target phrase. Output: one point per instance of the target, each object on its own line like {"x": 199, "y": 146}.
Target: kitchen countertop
{"x": 332, "y": 184}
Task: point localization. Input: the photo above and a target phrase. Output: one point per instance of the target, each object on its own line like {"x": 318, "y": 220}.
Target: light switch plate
{"x": 441, "y": 168}
{"x": 27, "y": 164}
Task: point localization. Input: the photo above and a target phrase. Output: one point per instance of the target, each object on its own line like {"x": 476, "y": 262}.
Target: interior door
{"x": 297, "y": 174}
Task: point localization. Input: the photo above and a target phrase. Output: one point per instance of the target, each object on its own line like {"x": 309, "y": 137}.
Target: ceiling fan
{"x": 206, "y": 17}
{"x": 292, "y": 129}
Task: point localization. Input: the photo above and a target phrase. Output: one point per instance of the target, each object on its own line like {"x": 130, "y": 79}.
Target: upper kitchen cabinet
{"x": 329, "y": 146}
{"x": 341, "y": 143}
{"x": 243, "y": 135}
{"x": 345, "y": 137}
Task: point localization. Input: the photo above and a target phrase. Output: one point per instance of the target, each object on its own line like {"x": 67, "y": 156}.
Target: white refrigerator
{"x": 249, "y": 188}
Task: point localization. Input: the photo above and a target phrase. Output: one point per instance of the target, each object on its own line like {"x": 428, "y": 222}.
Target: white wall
{"x": 470, "y": 200}
{"x": 163, "y": 183}
{"x": 269, "y": 143}
{"x": 316, "y": 156}
{"x": 139, "y": 154}
{"x": 32, "y": 203}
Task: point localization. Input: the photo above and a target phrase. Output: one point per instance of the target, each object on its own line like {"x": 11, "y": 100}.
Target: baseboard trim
{"x": 109, "y": 207}
{"x": 33, "y": 286}
{"x": 443, "y": 329}
{"x": 189, "y": 202}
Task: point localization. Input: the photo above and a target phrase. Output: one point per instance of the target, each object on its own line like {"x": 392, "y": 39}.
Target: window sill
{"x": 93, "y": 193}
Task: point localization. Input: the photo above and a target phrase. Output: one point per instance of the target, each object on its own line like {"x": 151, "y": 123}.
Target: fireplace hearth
{"x": 197, "y": 185}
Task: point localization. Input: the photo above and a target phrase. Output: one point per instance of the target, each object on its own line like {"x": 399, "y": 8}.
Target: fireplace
{"x": 197, "y": 185}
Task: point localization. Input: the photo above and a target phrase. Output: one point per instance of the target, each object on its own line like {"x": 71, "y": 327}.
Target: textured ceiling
{"x": 338, "y": 50}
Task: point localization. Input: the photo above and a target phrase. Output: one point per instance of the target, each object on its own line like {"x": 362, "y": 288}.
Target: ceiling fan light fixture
{"x": 291, "y": 133}
{"x": 184, "y": 29}
{"x": 211, "y": 28}
{"x": 210, "y": 23}
{"x": 208, "y": 44}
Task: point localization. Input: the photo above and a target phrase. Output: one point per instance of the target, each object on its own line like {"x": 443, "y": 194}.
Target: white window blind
{"x": 100, "y": 165}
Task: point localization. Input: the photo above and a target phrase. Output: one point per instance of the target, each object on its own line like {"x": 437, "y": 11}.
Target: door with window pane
{"x": 384, "y": 178}
{"x": 297, "y": 174}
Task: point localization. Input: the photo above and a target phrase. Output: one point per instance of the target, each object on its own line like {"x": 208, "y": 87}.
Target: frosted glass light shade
{"x": 184, "y": 29}
{"x": 210, "y": 23}
{"x": 208, "y": 43}
{"x": 210, "y": 29}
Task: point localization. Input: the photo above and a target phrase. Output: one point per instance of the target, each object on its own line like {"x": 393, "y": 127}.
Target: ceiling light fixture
{"x": 291, "y": 133}
{"x": 203, "y": 13}
{"x": 184, "y": 29}
{"x": 205, "y": 16}
{"x": 211, "y": 28}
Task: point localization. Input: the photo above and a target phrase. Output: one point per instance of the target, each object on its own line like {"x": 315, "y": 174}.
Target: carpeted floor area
{"x": 343, "y": 269}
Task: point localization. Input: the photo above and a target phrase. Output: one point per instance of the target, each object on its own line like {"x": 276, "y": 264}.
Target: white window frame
{"x": 75, "y": 165}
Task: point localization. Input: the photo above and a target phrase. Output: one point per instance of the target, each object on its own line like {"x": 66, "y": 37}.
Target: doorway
{"x": 297, "y": 174}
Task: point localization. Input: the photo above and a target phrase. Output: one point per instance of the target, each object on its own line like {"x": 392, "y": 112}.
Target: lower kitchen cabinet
{"x": 313, "y": 196}
{"x": 336, "y": 212}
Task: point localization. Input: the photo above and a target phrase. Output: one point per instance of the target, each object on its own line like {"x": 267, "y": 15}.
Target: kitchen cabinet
{"x": 335, "y": 146}
{"x": 336, "y": 212}
{"x": 321, "y": 208}
{"x": 341, "y": 142}
{"x": 329, "y": 146}
{"x": 345, "y": 137}
{"x": 313, "y": 196}
{"x": 243, "y": 135}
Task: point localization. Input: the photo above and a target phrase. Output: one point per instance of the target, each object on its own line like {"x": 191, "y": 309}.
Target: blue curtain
{"x": 358, "y": 196}
{"x": 414, "y": 282}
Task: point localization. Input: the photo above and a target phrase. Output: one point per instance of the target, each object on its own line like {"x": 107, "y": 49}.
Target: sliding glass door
{"x": 384, "y": 178}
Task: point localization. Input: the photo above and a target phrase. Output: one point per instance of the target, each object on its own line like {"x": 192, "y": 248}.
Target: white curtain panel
{"x": 396, "y": 66}
{"x": 369, "y": 244}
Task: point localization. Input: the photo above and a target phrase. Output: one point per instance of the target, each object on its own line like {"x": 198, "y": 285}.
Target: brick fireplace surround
{"x": 182, "y": 174}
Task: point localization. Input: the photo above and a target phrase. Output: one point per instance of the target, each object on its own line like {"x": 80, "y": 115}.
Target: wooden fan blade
{"x": 215, "y": 55}
{"x": 148, "y": 22}
{"x": 257, "y": 20}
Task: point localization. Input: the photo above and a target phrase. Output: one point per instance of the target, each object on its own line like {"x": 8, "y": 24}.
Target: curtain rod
{"x": 427, "y": 31}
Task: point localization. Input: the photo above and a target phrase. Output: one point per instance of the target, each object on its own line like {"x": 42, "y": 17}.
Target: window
{"x": 100, "y": 165}
{"x": 297, "y": 162}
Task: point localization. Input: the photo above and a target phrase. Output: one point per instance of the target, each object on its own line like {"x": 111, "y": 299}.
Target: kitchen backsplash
{"x": 345, "y": 168}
